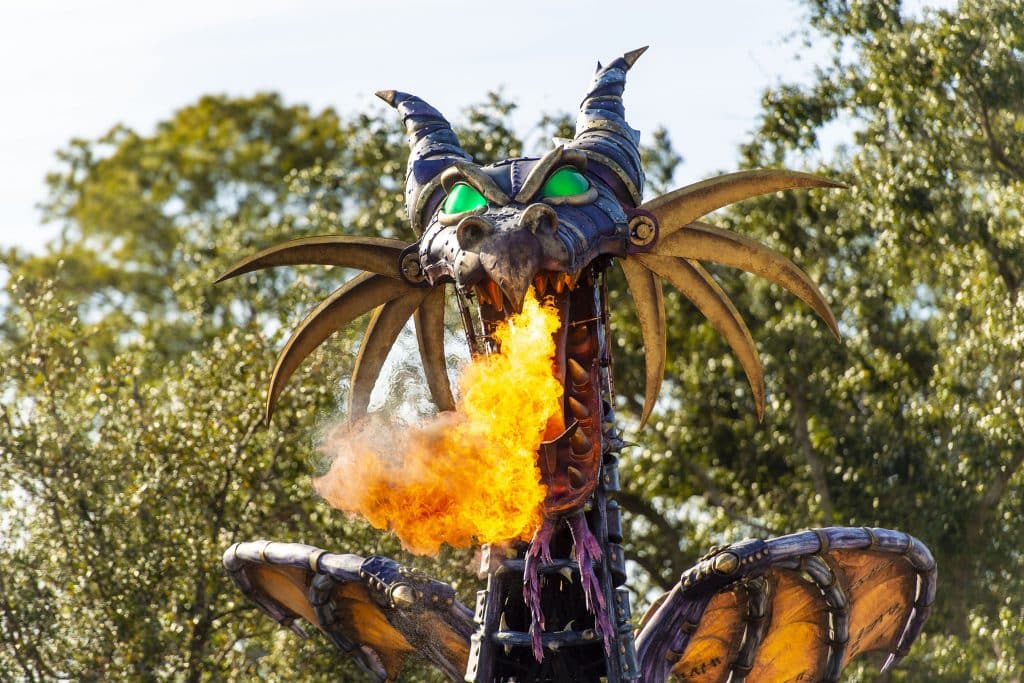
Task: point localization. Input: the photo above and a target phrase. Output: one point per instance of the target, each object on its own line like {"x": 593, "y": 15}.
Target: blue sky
{"x": 74, "y": 69}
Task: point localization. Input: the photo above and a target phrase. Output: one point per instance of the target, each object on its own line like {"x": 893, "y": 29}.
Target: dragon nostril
{"x": 471, "y": 231}
{"x": 539, "y": 217}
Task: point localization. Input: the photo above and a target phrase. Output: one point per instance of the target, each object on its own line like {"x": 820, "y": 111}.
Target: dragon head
{"x": 555, "y": 223}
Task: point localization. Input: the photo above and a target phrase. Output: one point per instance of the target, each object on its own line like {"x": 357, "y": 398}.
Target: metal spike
{"x": 630, "y": 57}
{"x": 685, "y": 205}
{"x": 580, "y": 443}
{"x": 650, "y": 308}
{"x": 345, "y": 304}
{"x": 385, "y": 325}
{"x": 386, "y": 95}
{"x": 576, "y": 479}
{"x": 579, "y": 375}
{"x": 429, "y": 320}
{"x": 697, "y": 285}
{"x": 704, "y": 242}
{"x": 578, "y": 409}
{"x": 373, "y": 254}
{"x": 494, "y": 292}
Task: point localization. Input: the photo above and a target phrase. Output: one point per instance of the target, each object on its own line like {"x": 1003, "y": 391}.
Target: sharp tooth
{"x": 495, "y": 292}
{"x": 570, "y": 282}
{"x": 579, "y": 410}
{"x": 557, "y": 283}
{"x": 502, "y": 623}
{"x": 540, "y": 283}
{"x": 481, "y": 293}
{"x": 575, "y": 477}
{"x": 578, "y": 373}
{"x": 580, "y": 443}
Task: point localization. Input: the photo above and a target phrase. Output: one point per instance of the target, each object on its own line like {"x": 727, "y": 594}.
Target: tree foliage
{"x": 131, "y": 444}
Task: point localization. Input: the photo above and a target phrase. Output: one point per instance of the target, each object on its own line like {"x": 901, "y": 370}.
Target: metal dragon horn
{"x": 433, "y": 147}
{"x": 603, "y": 135}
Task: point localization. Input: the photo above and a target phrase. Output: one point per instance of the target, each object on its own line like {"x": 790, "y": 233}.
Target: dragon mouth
{"x": 569, "y": 458}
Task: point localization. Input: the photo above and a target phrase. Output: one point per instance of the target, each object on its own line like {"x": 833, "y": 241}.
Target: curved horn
{"x": 433, "y": 147}
{"x": 602, "y": 132}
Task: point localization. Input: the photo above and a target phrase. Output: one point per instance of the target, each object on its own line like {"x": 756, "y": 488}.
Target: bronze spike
{"x": 429, "y": 320}
{"x": 580, "y": 443}
{"x": 697, "y": 285}
{"x": 374, "y": 254}
{"x": 540, "y": 284}
{"x": 650, "y": 308}
{"x": 580, "y": 376}
{"x": 633, "y": 55}
{"x": 495, "y": 295}
{"x": 578, "y": 409}
{"x": 345, "y": 304}
{"x": 705, "y": 242}
{"x": 576, "y": 479}
{"x": 385, "y": 325}
{"x": 680, "y": 207}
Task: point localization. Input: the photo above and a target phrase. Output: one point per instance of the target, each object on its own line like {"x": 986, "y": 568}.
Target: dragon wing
{"x": 683, "y": 243}
{"x": 794, "y": 608}
{"x": 373, "y": 609}
{"x": 383, "y": 287}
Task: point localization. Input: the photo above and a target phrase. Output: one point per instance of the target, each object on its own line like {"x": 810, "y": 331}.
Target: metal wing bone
{"x": 372, "y": 254}
{"x": 798, "y": 607}
{"x": 380, "y": 285}
{"x": 681, "y": 243}
{"x": 680, "y": 207}
{"x": 697, "y": 285}
{"x": 372, "y": 609}
{"x": 703, "y": 242}
{"x": 648, "y": 298}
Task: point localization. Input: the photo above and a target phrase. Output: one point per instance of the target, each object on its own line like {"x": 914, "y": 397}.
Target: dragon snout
{"x": 511, "y": 259}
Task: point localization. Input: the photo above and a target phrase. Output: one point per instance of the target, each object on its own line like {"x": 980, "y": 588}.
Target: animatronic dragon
{"x": 799, "y": 607}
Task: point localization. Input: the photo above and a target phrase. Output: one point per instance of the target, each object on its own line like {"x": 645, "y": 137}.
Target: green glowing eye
{"x": 565, "y": 182}
{"x": 463, "y": 198}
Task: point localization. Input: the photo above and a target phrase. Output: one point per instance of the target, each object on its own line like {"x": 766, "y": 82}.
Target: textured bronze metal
{"x": 685, "y": 205}
{"x": 704, "y": 242}
{"x": 650, "y": 309}
{"x": 385, "y": 325}
{"x": 373, "y": 254}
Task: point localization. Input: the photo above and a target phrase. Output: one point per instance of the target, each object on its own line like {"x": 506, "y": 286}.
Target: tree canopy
{"x": 132, "y": 448}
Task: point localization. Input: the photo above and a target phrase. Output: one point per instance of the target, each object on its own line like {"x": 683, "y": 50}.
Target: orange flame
{"x": 467, "y": 475}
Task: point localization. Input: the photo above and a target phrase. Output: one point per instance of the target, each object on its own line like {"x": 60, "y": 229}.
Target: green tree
{"x": 916, "y": 421}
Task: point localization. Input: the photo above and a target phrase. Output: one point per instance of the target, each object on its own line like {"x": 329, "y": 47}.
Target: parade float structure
{"x": 512, "y": 238}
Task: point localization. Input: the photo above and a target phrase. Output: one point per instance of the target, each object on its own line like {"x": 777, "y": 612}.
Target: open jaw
{"x": 569, "y": 458}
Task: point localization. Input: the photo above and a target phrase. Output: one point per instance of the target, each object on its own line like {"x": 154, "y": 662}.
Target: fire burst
{"x": 464, "y": 476}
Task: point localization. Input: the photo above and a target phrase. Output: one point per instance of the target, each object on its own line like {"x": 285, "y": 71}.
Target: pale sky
{"x": 72, "y": 69}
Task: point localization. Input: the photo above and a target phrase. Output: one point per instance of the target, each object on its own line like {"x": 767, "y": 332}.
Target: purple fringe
{"x": 588, "y": 551}
{"x": 539, "y": 550}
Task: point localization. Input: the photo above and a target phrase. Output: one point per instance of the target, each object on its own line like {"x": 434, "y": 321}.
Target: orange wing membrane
{"x": 372, "y": 609}
{"x": 794, "y": 608}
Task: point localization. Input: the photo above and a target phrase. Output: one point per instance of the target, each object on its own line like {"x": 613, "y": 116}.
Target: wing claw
{"x": 373, "y": 254}
{"x": 685, "y": 205}
{"x": 650, "y": 307}
{"x": 356, "y": 297}
{"x": 703, "y": 242}
{"x": 697, "y": 285}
